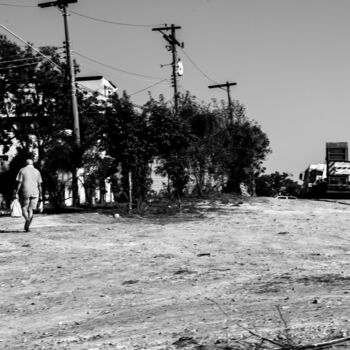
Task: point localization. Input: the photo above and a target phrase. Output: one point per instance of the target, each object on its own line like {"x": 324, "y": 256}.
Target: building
{"x": 97, "y": 84}
{"x": 104, "y": 88}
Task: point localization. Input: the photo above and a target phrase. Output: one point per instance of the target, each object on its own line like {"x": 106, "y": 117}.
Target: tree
{"x": 203, "y": 142}
{"x": 127, "y": 141}
{"x": 34, "y": 92}
{"x": 276, "y": 183}
{"x": 204, "y": 127}
{"x": 170, "y": 137}
{"x": 242, "y": 148}
{"x": 33, "y": 105}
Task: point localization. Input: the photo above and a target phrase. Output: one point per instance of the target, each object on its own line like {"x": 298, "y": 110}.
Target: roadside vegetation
{"x": 200, "y": 151}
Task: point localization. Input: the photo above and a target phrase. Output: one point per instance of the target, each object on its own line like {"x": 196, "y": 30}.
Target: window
{"x": 337, "y": 154}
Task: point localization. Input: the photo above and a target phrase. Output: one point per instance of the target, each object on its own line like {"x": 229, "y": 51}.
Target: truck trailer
{"x": 331, "y": 179}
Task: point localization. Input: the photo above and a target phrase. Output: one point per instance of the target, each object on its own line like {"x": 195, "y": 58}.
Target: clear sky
{"x": 290, "y": 59}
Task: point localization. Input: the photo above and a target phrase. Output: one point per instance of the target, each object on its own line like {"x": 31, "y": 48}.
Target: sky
{"x": 290, "y": 59}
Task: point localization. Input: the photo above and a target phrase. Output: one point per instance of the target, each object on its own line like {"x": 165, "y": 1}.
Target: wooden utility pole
{"x": 227, "y": 85}
{"x": 173, "y": 43}
{"x": 63, "y": 4}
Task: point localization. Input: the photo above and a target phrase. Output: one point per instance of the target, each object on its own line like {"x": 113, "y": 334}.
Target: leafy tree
{"x": 242, "y": 148}
{"x": 34, "y": 91}
{"x": 35, "y": 104}
{"x": 127, "y": 141}
{"x": 275, "y": 184}
{"x": 96, "y": 166}
{"x": 96, "y": 169}
{"x": 204, "y": 127}
{"x": 201, "y": 142}
{"x": 171, "y": 138}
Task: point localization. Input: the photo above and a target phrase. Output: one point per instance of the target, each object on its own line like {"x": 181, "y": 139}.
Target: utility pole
{"x": 173, "y": 43}
{"x": 227, "y": 85}
{"x": 62, "y": 5}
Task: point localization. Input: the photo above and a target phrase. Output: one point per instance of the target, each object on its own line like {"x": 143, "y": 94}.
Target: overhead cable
{"x": 148, "y": 87}
{"x": 112, "y": 22}
{"x": 117, "y": 69}
{"x": 195, "y": 65}
{"x": 13, "y": 5}
{"x": 84, "y": 88}
{"x": 13, "y": 58}
{"x": 199, "y": 70}
{"x": 31, "y": 46}
{"x": 19, "y": 66}
{"x": 20, "y": 59}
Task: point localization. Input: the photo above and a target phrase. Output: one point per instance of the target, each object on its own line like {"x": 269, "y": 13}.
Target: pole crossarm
{"x": 56, "y": 3}
{"x": 170, "y": 38}
{"x": 166, "y": 28}
{"x": 227, "y": 84}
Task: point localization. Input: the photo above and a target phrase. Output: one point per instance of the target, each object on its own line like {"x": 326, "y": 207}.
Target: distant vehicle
{"x": 285, "y": 197}
{"x": 331, "y": 179}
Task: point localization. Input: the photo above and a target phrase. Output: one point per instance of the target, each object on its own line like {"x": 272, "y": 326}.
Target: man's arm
{"x": 18, "y": 187}
{"x": 19, "y": 179}
{"x": 40, "y": 192}
{"x": 40, "y": 181}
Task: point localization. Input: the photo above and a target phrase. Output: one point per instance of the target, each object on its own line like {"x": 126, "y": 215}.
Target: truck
{"x": 331, "y": 179}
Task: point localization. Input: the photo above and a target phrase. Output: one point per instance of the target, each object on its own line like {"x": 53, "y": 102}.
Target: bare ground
{"x": 90, "y": 281}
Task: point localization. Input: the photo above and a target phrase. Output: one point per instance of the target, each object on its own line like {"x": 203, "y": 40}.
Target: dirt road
{"x": 89, "y": 281}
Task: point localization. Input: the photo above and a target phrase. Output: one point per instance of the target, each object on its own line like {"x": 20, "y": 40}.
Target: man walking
{"x": 28, "y": 191}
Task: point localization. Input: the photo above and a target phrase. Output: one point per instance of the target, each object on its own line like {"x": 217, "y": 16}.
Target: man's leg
{"x": 33, "y": 203}
{"x": 25, "y": 213}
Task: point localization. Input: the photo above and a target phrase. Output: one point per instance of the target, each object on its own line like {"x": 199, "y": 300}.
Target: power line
{"x": 97, "y": 71}
{"x": 148, "y": 87}
{"x": 112, "y": 22}
{"x": 117, "y": 69}
{"x": 31, "y": 46}
{"x": 23, "y": 58}
{"x": 199, "y": 70}
{"x": 12, "y": 5}
{"x": 20, "y": 59}
{"x": 19, "y": 66}
{"x": 196, "y": 66}
{"x": 86, "y": 89}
